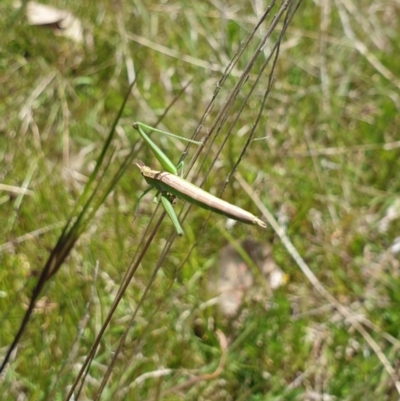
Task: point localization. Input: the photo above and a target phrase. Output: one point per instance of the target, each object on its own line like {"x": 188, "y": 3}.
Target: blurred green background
{"x": 326, "y": 165}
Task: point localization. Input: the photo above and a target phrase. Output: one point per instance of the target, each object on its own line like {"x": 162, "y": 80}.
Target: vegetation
{"x": 305, "y": 137}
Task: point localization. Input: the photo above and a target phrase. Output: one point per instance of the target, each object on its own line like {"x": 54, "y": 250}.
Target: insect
{"x": 169, "y": 185}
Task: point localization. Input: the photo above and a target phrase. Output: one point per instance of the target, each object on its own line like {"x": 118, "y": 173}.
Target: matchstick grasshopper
{"x": 169, "y": 185}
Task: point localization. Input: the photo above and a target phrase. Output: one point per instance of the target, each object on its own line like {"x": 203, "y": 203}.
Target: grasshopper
{"x": 169, "y": 185}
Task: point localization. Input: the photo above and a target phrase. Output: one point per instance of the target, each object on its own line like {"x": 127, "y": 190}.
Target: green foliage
{"x": 327, "y": 166}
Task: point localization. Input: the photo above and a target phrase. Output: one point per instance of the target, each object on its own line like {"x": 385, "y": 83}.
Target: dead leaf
{"x": 62, "y": 22}
{"x": 235, "y": 278}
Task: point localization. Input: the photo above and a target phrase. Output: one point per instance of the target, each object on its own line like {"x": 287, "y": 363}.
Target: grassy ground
{"x": 325, "y": 166}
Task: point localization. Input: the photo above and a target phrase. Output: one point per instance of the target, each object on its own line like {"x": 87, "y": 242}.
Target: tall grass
{"x": 130, "y": 313}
